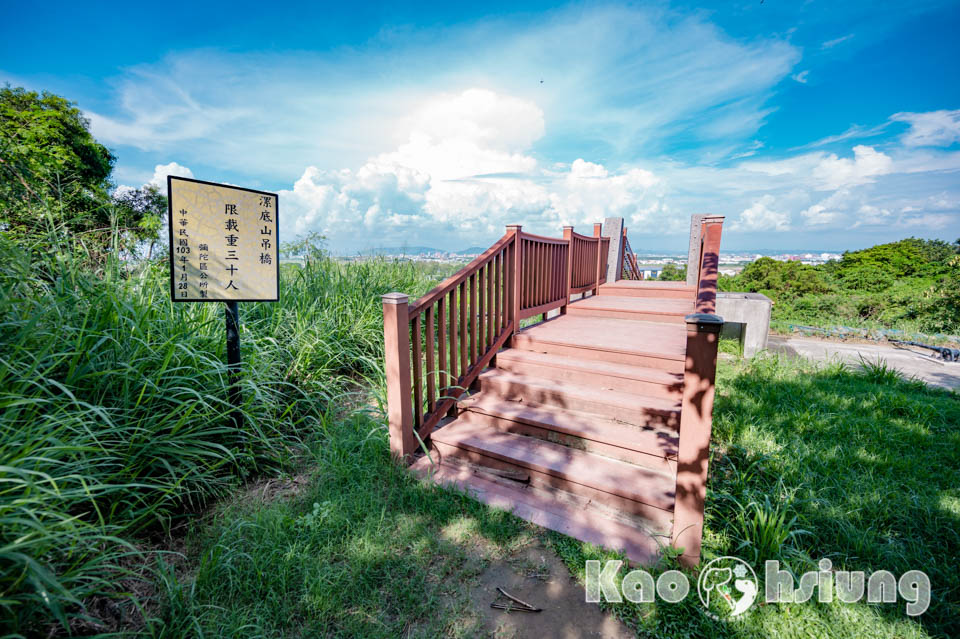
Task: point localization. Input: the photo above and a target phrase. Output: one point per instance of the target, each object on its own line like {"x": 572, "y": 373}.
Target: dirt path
{"x": 536, "y": 575}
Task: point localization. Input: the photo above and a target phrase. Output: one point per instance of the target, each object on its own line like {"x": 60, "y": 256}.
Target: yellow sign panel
{"x": 223, "y": 242}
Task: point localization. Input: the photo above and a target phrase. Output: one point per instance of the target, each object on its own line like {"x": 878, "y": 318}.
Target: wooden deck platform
{"x": 583, "y": 408}
{"x": 595, "y": 423}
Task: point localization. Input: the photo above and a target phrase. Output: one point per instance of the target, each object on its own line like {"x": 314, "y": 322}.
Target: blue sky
{"x": 810, "y": 125}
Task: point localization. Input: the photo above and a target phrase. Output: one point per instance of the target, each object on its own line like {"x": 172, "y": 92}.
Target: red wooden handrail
{"x": 436, "y": 347}
{"x": 709, "y": 264}
{"x": 446, "y": 285}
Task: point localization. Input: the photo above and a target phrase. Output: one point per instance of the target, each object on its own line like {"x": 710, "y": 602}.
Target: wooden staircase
{"x": 591, "y": 422}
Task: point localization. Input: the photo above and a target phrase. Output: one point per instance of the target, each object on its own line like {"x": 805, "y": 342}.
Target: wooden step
{"x": 649, "y": 344}
{"x": 634, "y": 288}
{"x": 632, "y": 489}
{"x": 639, "y": 410}
{"x": 650, "y": 309}
{"x": 563, "y": 512}
{"x": 627, "y": 378}
{"x": 654, "y": 448}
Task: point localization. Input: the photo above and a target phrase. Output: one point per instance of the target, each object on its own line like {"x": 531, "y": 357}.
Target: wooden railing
{"x": 436, "y": 347}
{"x": 709, "y": 263}
{"x": 543, "y": 276}
{"x": 631, "y": 269}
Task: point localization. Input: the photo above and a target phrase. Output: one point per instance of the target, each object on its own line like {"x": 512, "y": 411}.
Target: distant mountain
{"x": 419, "y": 250}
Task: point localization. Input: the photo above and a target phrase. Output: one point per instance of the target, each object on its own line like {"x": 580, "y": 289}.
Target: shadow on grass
{"x": 365, "y": 551}
{"x": 870, "y": 462}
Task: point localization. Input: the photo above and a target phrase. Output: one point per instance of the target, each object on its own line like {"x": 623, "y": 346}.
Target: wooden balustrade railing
{"x": 631, "y": 269}
{"x": 436, "y": 347}
{"x": 709, "y": 263}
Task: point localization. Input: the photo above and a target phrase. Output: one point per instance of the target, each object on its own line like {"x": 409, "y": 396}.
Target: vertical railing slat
{"x": 431, "y": 362}
{"x": 490, "y": 306}
{"x": 497, "y": 290}
{"x": 454, "y": 342}
{"x": 473, "y": 318}
{"x": 481, "y": 312}
{"x": 464, "y": 334}
{"x": 442, "y": 345}
{"x": 416, "y": 362}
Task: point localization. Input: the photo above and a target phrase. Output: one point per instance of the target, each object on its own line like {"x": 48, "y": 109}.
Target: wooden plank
{"x": 498, "y": 314}
{"x": 542, "y": 308}
{"x": 464, "y": 334}
{"x": 454, "y": 341}
{"x": 417, "y": 374}
{"x": 442, "y": 369}
{"x": 693, "y": 454}
{"x": 610, "y": 476}
{"x": 431, "y": 362}
{"x": 396, "y": 345}
{"x": 481, "y": 312}
{"x": 465, "y": 381}
{"x": 473, "y": 318}
{"x": 573, "y": 516}
{"x": 491, "y": 331}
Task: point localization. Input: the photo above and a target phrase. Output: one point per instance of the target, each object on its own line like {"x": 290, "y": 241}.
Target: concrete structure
{"x": 746, "y": 316}
{"x": 613, "y": 228}
{"x": 693, "y": 254}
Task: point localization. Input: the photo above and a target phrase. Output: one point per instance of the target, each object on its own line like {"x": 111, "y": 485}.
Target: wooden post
{"x": 709, "y": 264}
{"x": 696, "y": 421}
{"x": 396, "y": 347}
{"x": 597, "y": 230}
{"x": 516, "y": 278}
{"x": 568, "y": 283}
{"x": 693, "y": 254}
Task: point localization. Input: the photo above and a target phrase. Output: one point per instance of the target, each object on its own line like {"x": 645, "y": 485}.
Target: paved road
{"x": 911, "y": 361}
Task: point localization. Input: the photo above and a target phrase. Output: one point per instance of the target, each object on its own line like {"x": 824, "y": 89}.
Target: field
{"x": 127, "y": 494}
{"x": 911, "y": 286}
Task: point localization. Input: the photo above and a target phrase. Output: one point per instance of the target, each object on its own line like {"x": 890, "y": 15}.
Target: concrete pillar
{"x": 693, "y": 253}
{"x": 613, "y": 228}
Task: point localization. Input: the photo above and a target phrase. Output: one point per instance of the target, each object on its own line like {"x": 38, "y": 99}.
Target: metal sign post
{"x": 224, "y": 246}
{"x": 233, "y": 361}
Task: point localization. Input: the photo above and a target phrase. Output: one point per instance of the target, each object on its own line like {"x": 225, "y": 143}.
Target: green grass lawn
{"x": 862, "y": 468}
{"x": 114, "y": 439}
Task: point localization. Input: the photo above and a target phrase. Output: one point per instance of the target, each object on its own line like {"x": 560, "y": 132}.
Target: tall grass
{"x": 114, "y": 414}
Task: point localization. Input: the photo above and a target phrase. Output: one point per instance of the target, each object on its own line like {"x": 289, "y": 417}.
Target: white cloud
{"x": 446, "y": 136}
{"x": 465, "y": 170}
{"x": 829, "y": 44}
{"x": 935, "y": 128}
{"x": 867, "y": 163}
{"x": 614, "y": 89}
{"x": 161, "y": 171}
{"x": 760, "y": 217}
{"x": 829, "y": 210}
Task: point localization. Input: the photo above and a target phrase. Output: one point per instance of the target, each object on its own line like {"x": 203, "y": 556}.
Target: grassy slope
{"x": 113, "y": 421}
{"x": 865, "y": 463}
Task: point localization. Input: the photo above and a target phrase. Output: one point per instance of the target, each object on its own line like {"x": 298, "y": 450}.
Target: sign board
{"x": 223, "y": 242}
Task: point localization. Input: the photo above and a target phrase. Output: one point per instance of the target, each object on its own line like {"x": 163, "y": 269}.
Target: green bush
{"x": 114, "y": 419}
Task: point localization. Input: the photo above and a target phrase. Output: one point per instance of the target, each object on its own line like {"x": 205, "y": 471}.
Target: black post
{"x": 233, "y": 362}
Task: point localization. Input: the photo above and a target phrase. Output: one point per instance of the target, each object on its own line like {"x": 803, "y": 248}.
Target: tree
{"x": 766, "y": 275}
{"x": 673, "y": 273}
{"x": 50, "y": 165}
{"x": 139, "y": 215}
